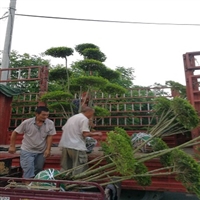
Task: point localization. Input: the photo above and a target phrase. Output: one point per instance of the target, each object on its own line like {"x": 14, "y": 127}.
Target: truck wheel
{"x": 153, "y": 195}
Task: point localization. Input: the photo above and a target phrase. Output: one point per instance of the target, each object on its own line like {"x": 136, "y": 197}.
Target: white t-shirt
{"x": 72, "y": 136}
{"x": 34, "y": 139}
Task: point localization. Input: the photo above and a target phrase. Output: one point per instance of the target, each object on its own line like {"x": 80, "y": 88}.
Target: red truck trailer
{"x": 15, "y": 190}
{"x": 127, "y": 111}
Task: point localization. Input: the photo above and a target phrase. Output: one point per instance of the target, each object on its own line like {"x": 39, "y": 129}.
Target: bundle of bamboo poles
{"x": 123, "y": 162}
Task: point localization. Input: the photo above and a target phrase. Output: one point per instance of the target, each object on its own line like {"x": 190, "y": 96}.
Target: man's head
{"x": 42, "y": 113}
{"x": 87, "y": 111}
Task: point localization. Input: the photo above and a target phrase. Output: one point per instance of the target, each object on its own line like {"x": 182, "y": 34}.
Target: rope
{"x": 13, "y": 184}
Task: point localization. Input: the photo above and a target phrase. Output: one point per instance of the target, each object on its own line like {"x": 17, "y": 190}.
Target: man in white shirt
{"x": 73, "y": 143}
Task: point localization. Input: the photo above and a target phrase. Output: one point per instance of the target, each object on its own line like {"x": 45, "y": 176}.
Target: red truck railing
{"x": 15, "y": 189}
{"x": 132, "y": 110}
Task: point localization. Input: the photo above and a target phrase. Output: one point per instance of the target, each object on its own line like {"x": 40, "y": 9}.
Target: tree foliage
{"x": 94, "y": 53}
{"x": 56, "y": 95}
{"x": 110, "y": 75}
{"x": 185, "y": 113}
{"x": 179, "y": 88}
{"x": 126, "y": 77}
{"x": 25, "y": 60}
{"x": 101, "y": 112}
{"x": 111, "y": 88}
{"x": 58, "y": 100}
{"x": 90, "y": 65}
{"x": 58, "y": 76}
{"x": 59, "y": 52}
{"x": 88, "y": 75}
{"x": 81, "y": 47}
{"x": 90, "y": 81}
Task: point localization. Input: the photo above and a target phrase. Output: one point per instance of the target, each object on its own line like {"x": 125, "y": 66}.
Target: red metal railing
{"x": 22, "y": 74}
{"x": 192, "y": 77}
{"x": 133, "y": 109}
{"x": 13, "y": 192}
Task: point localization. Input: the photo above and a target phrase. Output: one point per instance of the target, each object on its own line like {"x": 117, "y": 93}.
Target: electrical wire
{"x": 110, "y": 21}
{"x": 3, "y": 17}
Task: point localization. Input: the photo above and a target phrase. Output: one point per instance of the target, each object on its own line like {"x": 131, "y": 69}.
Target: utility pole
{"x": 8, "y": 39}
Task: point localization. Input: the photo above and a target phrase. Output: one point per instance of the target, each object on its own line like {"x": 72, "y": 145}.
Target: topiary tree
{"x": 87, "y": 76}
{"x": 58, "y": 100}
{"x": 57, "y": 77}
{"x": 61, "y": 52}
{"x": 81, "y": 47}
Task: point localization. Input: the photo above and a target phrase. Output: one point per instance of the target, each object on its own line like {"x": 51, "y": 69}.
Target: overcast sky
{"x": 154, "y": 51}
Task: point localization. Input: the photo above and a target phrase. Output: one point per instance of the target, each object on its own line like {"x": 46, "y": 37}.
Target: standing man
{"x": 36, "y": 143}
{"x": 73, "y": 143}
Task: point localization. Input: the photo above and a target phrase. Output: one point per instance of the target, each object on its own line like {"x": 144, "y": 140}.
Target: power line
{"x": 109, "y": 21}
{"x": 3, "y": 17}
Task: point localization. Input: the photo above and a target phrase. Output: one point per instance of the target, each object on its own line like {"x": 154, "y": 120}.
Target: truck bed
{"x": 159, "y": 183}
{"x": 14, "y": 189}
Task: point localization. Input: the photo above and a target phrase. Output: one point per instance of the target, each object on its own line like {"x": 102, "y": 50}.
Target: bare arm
{"x": 13, "y": 137}
{"x": 91, "y": 134}
{"x": 48, "y": 149}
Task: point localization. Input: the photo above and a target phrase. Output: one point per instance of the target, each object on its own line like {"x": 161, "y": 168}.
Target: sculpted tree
{"x": 96, "y": 75}
{"x": 87, "y": 77}
{"x": 61, "y": 52}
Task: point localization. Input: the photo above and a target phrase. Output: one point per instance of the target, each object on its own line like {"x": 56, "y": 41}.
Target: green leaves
{"x": 59, "y": 52}
{"x": 90, "y": 65}
{"x": 101, "y": 112}
{"x": 119, "y": 148}
{"x": 58, "y": 73}
{"x": 90, "y": 81}
{"x": 126, "y": 77}
{"x": 81, "y": 47}
{"x": 177, "y": 87}
{"x": 56, "y": 95}
{"x": 112, "y": 88}
{"x": 157, "y": 145}
{"x": 184, "y": 112}
{"x": 89, "y": 74}
{"x": 25, "y": 60}
{"x": 162, "y": 105}
{"x": 94, "y": 53}
{"x": 59, "y": 100}
{"x": 188, "y": 171}
{"x": 109, "y": 74}
{"x": 120, "y": 152}
{"x": 144, "y": 179}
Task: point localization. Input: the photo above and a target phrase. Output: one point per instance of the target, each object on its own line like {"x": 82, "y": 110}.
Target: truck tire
{"x": 153, "y": 195}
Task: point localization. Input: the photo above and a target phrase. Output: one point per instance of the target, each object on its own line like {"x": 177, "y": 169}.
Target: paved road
{"x": 132, "y": 195}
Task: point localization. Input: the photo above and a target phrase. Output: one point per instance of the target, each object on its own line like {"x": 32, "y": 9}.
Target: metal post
{"x": 8, "y": 39}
